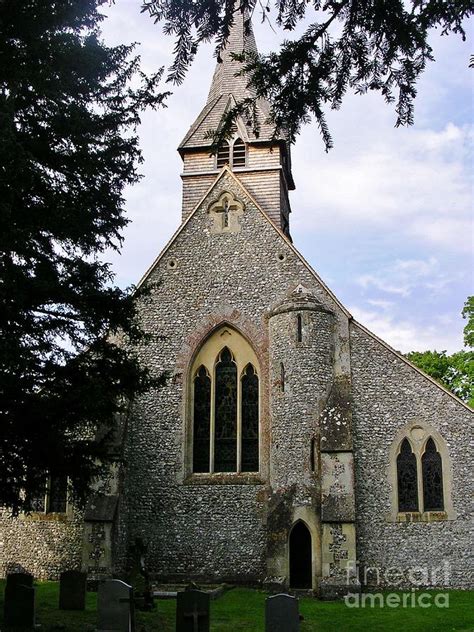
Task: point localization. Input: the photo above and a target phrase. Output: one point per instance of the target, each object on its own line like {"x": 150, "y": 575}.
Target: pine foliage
{"x": 68, "y": 147}
{"x": 357, "y": 45}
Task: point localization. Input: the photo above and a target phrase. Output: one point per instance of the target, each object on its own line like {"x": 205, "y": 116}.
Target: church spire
{"x": 227, "y": 89}
{"x": 225, "y": 80}
{"x": 259, "y": 158}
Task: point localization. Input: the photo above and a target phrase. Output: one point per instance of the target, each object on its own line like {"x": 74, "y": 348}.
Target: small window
{"x": 282, "y": 377}
{"x": 299, "y": 328}
{"x": 225, "y": 441}
{"x": 238, "y": 153}
{"x": 407, "y": 478}
{"x": 223, "y": 155}
{"x": 312, "y": 456}
{"x": 54, "y": 499}
{"x": 432, "y": 472}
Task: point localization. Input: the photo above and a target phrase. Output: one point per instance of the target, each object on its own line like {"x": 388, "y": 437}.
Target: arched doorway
{"x": 300, "y": 557}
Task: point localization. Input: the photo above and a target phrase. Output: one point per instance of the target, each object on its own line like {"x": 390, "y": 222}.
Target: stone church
{"x": 290, "y": 446}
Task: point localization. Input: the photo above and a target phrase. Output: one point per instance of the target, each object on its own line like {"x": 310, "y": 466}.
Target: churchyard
{"x": 237, "y": 610}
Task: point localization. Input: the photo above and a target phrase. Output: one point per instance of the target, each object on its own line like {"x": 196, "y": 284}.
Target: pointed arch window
{"x": 249, "y": 420}
{"x": 223, "y": 155}
{"x": 233, "y": 154}
{"x": 202, "y": 420}
{"x": 238, "y": 153}
{"x": 423, "y": 481}
{"x": 407, "y": 478}
{"x": 225, "y": 438}
{"x": 432, "y": 472}
{"x": 225, "y": 405}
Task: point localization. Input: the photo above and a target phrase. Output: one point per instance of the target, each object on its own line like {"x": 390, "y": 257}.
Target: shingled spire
{"x": 266, "y": 164}
{"x": 226, "y": 80}
{"x": 228, "y": 88}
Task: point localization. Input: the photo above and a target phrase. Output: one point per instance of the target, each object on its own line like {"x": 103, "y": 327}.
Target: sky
{"x": 385, "y": 217}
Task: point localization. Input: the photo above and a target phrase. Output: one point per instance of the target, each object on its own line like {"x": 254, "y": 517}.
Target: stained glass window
{"x": 432, "y": 469}
{"x": 407, "y": 479}
{"x": 225, "y": 440}
{"x": 202, "y": 421}
{"x": 38, "y": 502}
{"x": 57, "y": 494}
{"x": 238, "y": 154}
{"x": 249, "y": 420}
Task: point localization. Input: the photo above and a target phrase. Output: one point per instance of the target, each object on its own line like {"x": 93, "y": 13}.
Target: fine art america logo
{"x": 410, "y": 580}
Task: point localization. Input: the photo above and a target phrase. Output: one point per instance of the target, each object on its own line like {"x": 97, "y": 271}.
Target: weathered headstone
{"x": 115, "y": 607}
{"x": 139, "y": 578}
{"x": 281, "y": 614}
{"x": 19, "y": 605}
{"x": 192, "y": 611}
{"x": 72, "y": 590}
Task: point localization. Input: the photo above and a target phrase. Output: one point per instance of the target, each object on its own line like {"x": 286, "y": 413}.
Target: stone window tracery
{"x": 54, "y": 499}
{"x": 407, "y": 480}
{"x": 432, "y": 472}
{"x": 420, "y": 474}
{"x": 225, "y": 405}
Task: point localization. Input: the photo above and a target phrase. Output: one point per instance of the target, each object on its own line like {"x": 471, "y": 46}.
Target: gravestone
{"x": 19, "y": 605}
{"x": 72, "y": 590}
{"x": 139, "y": 578}
{"x": 281, "y": 614}
{"x": 115, "y": 607}
{"x": 192, "y": 611}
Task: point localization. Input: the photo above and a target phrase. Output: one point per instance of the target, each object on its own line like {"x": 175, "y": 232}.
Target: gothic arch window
{"x": 420, "y": 474}
{"x": 238, "y": 153}
{"x": 432, "y": 472}
{"x": 407, "y": 480}
{"x": 202, "y": 420}
{"x": 223, "y": 155}
{"x": 225, "y": 406}
{"x": 233, "y": 153}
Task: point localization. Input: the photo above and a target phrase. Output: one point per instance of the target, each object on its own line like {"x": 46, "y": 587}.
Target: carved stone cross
{"x": 225, "y": 211}
{"x": 225, "y": 214}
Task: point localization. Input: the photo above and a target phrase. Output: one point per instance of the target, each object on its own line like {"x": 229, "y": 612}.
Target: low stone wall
{"x": 41, "y": 544}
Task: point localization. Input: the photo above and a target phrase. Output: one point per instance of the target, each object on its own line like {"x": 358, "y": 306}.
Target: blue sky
{"x": 385, "y": 217}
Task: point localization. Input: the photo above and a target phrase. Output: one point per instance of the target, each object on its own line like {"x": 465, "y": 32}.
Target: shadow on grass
{"x": 242, "y": 610}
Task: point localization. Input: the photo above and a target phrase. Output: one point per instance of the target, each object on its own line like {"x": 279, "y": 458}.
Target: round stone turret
{"x": 301, "y": 331}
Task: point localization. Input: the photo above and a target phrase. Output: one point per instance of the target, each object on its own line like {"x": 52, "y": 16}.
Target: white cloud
{"x": 417, "y": 183}
{"x": 405, "y": 275}
{"x": 405, "y": 335}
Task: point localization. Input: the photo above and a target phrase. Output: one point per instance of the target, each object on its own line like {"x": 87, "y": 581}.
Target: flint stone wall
{"x": 193, "y": 529}
{"x": 389, "y": 394}
{"x": 43, "y": 546}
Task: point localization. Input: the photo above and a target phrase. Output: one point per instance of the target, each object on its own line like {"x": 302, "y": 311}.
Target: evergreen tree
{"x": 68, "y": 148}
{"x": 360, "y": 45}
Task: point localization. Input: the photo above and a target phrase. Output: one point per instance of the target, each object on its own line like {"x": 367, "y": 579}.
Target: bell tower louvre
{"x": 262, "y": 162}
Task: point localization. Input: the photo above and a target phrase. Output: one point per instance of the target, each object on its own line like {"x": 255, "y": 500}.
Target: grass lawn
{"x": 243, "y": 609}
